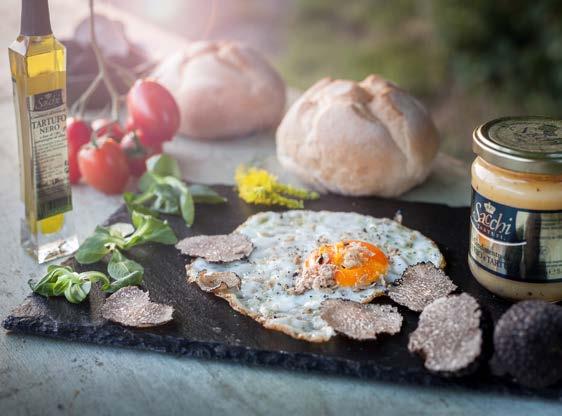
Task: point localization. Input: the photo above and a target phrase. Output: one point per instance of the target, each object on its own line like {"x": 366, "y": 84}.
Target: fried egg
{"x": 351, "y": 263}
{"x": 302, "y": 258}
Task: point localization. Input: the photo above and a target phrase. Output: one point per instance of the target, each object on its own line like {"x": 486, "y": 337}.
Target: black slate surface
{"x": 205, "y": 326}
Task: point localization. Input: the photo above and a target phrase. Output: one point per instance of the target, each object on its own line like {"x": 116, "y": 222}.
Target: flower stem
{"x": 113, "y": 93}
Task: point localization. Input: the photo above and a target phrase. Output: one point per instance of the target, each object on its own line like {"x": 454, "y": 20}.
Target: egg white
{"x": 283, "y": 240}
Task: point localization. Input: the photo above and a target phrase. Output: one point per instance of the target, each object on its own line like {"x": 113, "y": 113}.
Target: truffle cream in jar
{"x": 516, "y": 214}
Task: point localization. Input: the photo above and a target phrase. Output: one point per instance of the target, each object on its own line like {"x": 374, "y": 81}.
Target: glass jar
{"x": 516, "y": 214}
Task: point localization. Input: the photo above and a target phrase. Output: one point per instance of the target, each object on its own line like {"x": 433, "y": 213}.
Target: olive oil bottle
{"x": 38, "y": 67}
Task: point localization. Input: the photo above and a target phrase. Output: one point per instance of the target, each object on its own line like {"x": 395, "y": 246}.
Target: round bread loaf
{"x": 366, "y": 138}
{"x": 223, "y": 89}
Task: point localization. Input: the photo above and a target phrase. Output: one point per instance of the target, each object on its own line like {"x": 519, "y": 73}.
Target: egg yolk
{"x": 357, "y": 263}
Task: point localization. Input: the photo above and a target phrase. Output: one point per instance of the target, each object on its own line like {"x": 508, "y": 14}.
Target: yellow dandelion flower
{"x": 258, "y": 186}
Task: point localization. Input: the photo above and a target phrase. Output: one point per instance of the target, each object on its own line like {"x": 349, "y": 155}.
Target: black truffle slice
{"x": 420, "y": 285}
{"x": 131, "y": 306}
{"x": 528, "y": 343}
{"x": 449, "y": 335}
{"x": 361, "y": 321}
{"x": 215, "y": 281}
{"x": 217, "y": 248}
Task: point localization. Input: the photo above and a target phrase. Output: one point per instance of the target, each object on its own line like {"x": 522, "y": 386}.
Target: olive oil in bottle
{"x": 38, "y": 67}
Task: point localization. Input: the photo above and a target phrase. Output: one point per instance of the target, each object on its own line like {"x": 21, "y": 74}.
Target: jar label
{"x": 47, "y": 124}
{"x": 517, "y": 244}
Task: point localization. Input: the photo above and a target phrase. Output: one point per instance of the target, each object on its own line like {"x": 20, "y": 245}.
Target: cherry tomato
{"x": 154, "y": 111}
{"x": 78, "y": 133}
{"x": 129, "y": 126}
{"x": 104, "y": 166}
{"x": 110, "y": 128}
{"x": 136, "y": 153}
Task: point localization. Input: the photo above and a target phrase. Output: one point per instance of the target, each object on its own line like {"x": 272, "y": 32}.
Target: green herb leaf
{"x": 135, "y": 201}
{"x": 133, "y": 279}
{"x": 146, "y": 181}
{"x": 76, "y": 292}
{"x": 61, "y": 280}
{"x": 126, "y": 272}
{"x": 149, "y": 228}
{"x": 130, "y": 201}
{"x": 187, "y": 206}
{"x": 204, "y": 195}
{"x": 160, "y": 197}
{"x": 95, "y": 247}
{"x": 94, "y": 276}
{"x": 46, "y": 285}
{"x": 120, "y": 266}
{"x": 166, "y": 199}
{"x": 164, "y": 192}
{"x": 163, "y": 165}
{"x": 121, "y": 229}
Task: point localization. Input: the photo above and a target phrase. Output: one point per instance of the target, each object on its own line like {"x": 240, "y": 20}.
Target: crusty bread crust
{"x": 350, "y": 138}
{"x": 223, "y": 89}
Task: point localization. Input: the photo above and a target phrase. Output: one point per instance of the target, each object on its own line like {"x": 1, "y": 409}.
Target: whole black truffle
{"x": 528, "y": 343}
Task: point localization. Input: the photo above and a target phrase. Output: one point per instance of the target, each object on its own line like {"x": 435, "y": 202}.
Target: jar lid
{"x": 522, "y": 144}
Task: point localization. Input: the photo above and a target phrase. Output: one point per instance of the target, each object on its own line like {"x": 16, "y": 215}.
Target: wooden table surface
{"x": 42, "y": 376}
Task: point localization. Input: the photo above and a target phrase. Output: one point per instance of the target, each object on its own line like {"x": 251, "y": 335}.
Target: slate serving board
{"x": 205, "y": 326}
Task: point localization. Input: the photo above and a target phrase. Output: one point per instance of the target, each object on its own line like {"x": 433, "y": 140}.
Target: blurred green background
{"x": 511, "y": 45}
{"x": 468, "y": 61}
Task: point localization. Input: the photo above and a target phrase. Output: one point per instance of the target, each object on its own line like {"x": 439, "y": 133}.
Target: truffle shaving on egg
{"x": 361, "y": 321}
{"x": 301, "y": 259}
{"x": 216, "y": 248}
{"x": 420, "y": 285}
{"x": 210, "y": 282}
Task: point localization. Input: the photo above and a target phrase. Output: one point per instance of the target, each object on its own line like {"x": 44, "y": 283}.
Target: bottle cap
{"x": 522, "y": 144}
{"x": 35, "y": 20}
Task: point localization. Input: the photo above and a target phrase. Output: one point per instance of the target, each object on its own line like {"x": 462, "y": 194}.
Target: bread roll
{"x": 366, "y": 138}
{"x": 223, "y": 89}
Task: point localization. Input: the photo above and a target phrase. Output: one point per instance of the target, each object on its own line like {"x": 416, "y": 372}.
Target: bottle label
{"x": 516, "y": 244}
{"x": 47, "y": 123}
